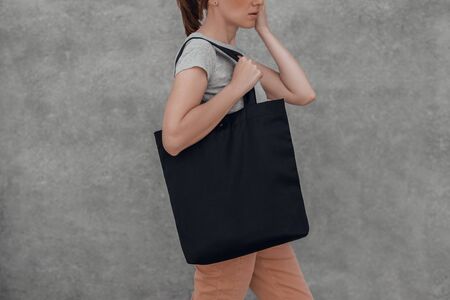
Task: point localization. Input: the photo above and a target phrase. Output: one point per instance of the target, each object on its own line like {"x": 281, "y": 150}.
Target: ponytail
{"x": 192, "y": 13}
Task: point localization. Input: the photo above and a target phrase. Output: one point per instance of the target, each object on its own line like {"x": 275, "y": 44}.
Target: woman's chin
{"x": 248, "y": 25}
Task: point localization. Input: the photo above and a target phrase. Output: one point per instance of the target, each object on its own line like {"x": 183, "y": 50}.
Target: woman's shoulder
{"x": 196, "y": 52}
{"x": 199, "y": 45}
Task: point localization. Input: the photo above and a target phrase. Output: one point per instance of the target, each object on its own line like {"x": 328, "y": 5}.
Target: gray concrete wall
{"x": 84, "y": 210}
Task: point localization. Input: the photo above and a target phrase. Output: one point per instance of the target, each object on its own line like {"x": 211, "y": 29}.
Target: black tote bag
{"x": 237, "y": 190}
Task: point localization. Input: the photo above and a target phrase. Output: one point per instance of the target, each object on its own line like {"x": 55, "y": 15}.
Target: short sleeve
{"x": 197, "y": 53}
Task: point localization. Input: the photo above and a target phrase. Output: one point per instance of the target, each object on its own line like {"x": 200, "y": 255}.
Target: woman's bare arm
{"x": 186, "y": 121}
{"x": 290, "y": 82}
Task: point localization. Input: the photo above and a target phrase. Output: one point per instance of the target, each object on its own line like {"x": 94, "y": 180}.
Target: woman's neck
{"x": 219, "y": 33}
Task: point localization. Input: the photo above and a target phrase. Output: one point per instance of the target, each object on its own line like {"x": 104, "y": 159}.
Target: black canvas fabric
{"x": 237, "y": 190}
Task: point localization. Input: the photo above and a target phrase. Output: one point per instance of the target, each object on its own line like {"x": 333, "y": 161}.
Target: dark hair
{"x": 192, "y": 13}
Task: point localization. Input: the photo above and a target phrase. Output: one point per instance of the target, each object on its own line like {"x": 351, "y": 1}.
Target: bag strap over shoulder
{"x": 249, "y": 97}
{"x": 230, "y": 52}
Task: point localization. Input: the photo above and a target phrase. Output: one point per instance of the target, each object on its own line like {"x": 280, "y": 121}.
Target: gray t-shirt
{"x": 218, "y": 66}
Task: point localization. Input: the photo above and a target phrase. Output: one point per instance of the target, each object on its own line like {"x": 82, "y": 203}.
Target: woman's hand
{"x": 261, "y": 21}
{"x": 245, "y": 75}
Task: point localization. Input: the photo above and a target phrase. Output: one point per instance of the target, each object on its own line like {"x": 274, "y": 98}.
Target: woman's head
{"x": 230, "y": 12}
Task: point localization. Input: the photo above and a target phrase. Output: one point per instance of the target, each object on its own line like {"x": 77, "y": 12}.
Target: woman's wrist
{"x": 263, "y": 31}
{"x": 233, "y": 91}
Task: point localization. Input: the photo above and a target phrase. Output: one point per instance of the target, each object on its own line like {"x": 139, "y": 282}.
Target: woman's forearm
{"x": 291, "y": 74}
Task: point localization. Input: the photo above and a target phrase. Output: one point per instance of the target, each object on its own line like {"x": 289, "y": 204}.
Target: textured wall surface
{"x": 84, "y": 210}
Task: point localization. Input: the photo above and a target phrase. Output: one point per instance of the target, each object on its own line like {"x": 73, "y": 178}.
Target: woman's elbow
{"x": 170, "y": 144}
{"x": 306, "y": 100}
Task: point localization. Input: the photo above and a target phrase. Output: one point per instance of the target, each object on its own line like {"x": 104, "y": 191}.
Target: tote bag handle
{"x": 249, "y": 97}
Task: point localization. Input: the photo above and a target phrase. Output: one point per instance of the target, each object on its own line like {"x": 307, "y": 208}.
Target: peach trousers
{"x": 272, "y": 274}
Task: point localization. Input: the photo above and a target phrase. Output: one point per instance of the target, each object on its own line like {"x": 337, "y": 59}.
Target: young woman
{"x": 204, "y": 75}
